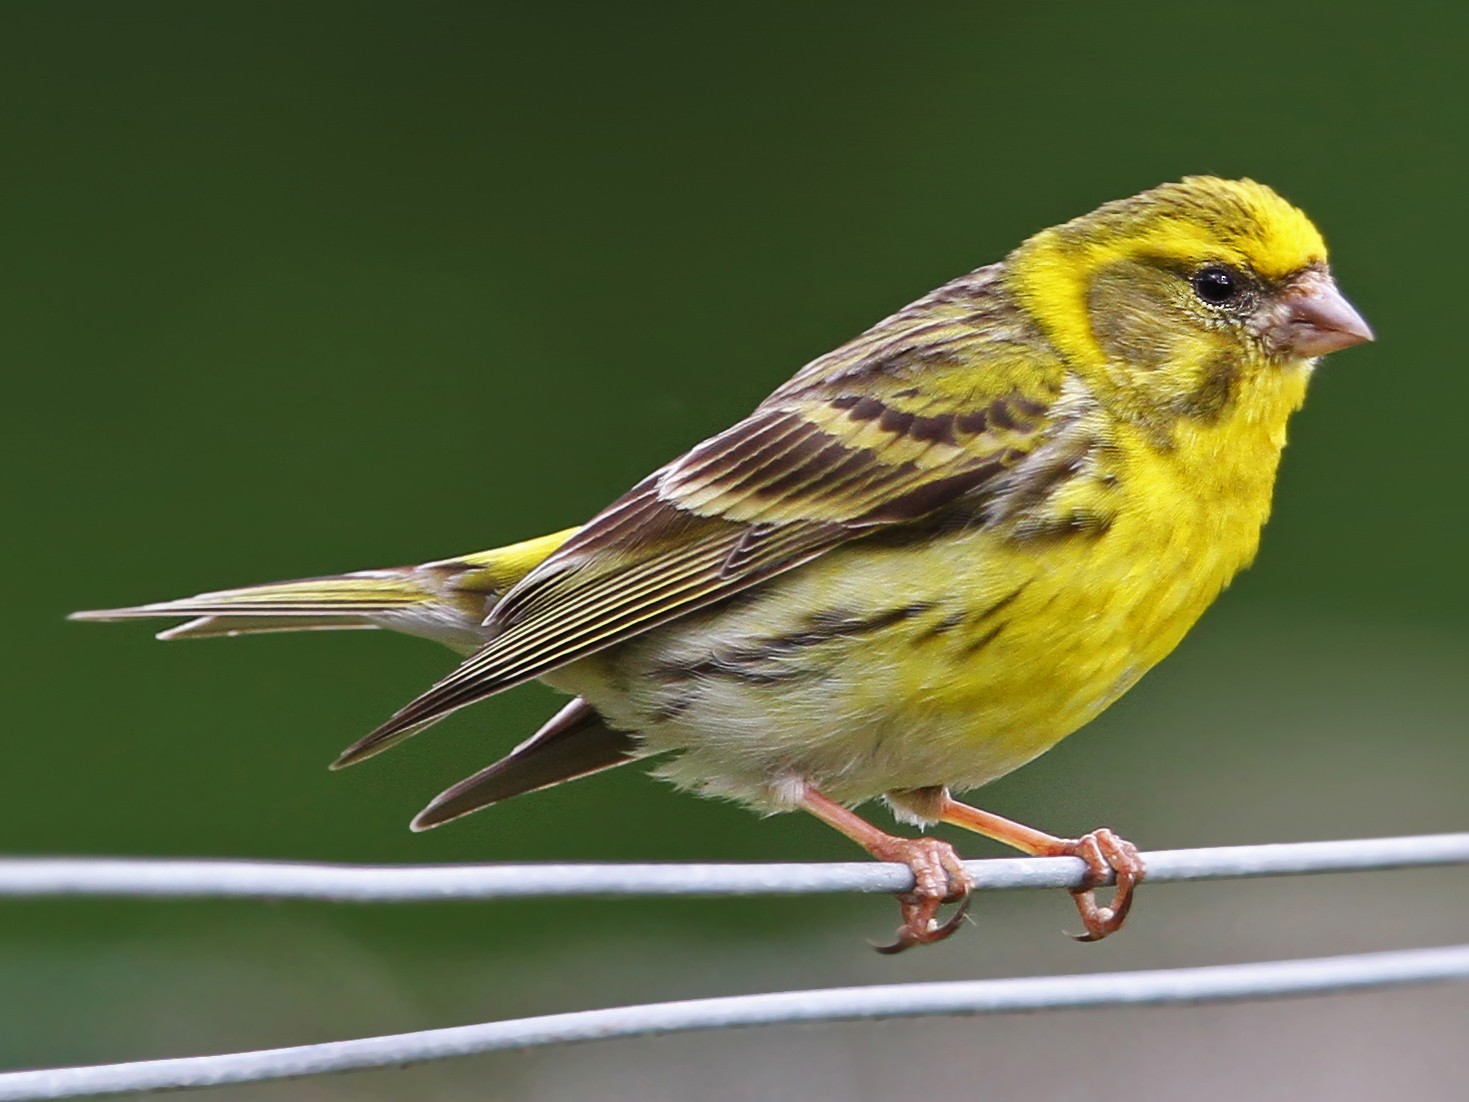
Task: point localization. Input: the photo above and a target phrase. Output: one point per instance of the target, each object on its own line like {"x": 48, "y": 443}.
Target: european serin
{"x": 920, "y": 563}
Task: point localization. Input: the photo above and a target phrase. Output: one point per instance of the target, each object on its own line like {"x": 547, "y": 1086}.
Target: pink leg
{"x": 939, "y": 876}
{"x": 1105, "y": 854}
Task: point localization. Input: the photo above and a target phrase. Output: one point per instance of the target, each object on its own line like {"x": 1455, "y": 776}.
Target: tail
{"x": 446, "y": 601}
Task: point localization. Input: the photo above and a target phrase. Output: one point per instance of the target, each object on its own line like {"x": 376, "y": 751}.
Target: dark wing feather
{"x": 573, "y": 743}
{"x": 929, "y": 407}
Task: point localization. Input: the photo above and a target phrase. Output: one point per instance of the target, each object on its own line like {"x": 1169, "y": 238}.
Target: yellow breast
{"x": 1072, "y": 621}
{"x": 952, "y": 658}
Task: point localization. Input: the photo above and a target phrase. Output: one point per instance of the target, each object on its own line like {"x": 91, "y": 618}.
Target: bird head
{"x": 1177, "y": 300}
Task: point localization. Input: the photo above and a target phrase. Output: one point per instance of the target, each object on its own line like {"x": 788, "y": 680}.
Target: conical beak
{"x": 1312, "y": 318}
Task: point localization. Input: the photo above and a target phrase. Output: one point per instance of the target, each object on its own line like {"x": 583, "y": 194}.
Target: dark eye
{"x": 1217, "y": 286}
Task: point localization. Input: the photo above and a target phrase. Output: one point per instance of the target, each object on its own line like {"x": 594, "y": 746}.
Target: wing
{"x": 927, "y": 409}
{"x": 574, "y": 743}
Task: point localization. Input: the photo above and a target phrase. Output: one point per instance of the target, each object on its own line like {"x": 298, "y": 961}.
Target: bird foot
{"x": 939, "y": 877}
{"x": 1107, "y": 857}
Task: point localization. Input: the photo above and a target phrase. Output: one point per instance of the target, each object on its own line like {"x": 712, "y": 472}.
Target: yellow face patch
{"x": 1198, "y": 221}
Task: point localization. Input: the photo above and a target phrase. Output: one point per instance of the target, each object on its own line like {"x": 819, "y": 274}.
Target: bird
{"x": 921, "y": 562}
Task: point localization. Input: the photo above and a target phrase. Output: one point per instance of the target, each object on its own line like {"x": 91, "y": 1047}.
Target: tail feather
{"x": 575, "y": 742}
{"x": 446, "y": 601}
{"x": 340, "y": 595}
{"x": 399, "y": 599}
{"x": 223, "y": 627}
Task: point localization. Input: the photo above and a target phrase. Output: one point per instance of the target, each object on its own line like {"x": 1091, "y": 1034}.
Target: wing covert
{"x": 927, "y": 408}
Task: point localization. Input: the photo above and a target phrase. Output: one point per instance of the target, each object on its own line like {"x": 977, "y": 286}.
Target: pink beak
{"x": 1312, "y": 318}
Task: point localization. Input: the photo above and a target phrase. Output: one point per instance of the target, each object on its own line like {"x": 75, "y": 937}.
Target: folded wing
{"x": 928, "y": 409}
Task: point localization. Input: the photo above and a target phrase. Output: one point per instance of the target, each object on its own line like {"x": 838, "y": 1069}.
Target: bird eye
{"x": 1217, "y": 286}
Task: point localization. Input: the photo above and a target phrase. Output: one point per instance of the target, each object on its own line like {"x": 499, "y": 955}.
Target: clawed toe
{"x": 939, "y": 877}
{"x": 920, "y": 926}
{"x": 1106, "y": 856}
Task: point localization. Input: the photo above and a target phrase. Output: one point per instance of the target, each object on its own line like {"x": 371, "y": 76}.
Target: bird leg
{"x": 1106, "y": 856}
{"x": 939, "y": 875}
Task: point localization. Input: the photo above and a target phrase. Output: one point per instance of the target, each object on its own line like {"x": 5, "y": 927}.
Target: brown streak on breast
{"x": 974, "y": 647}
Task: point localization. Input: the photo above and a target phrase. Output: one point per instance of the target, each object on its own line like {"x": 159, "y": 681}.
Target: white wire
{"x": 178, "y": 879}
{"x": 183, "y": 879}
{"x": 1216, "y": 983}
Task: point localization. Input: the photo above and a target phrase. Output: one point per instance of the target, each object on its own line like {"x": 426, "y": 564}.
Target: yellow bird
{"x": 924, "y": 560}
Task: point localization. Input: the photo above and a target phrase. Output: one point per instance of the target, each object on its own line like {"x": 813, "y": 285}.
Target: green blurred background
{"x": 299, "y": 288}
